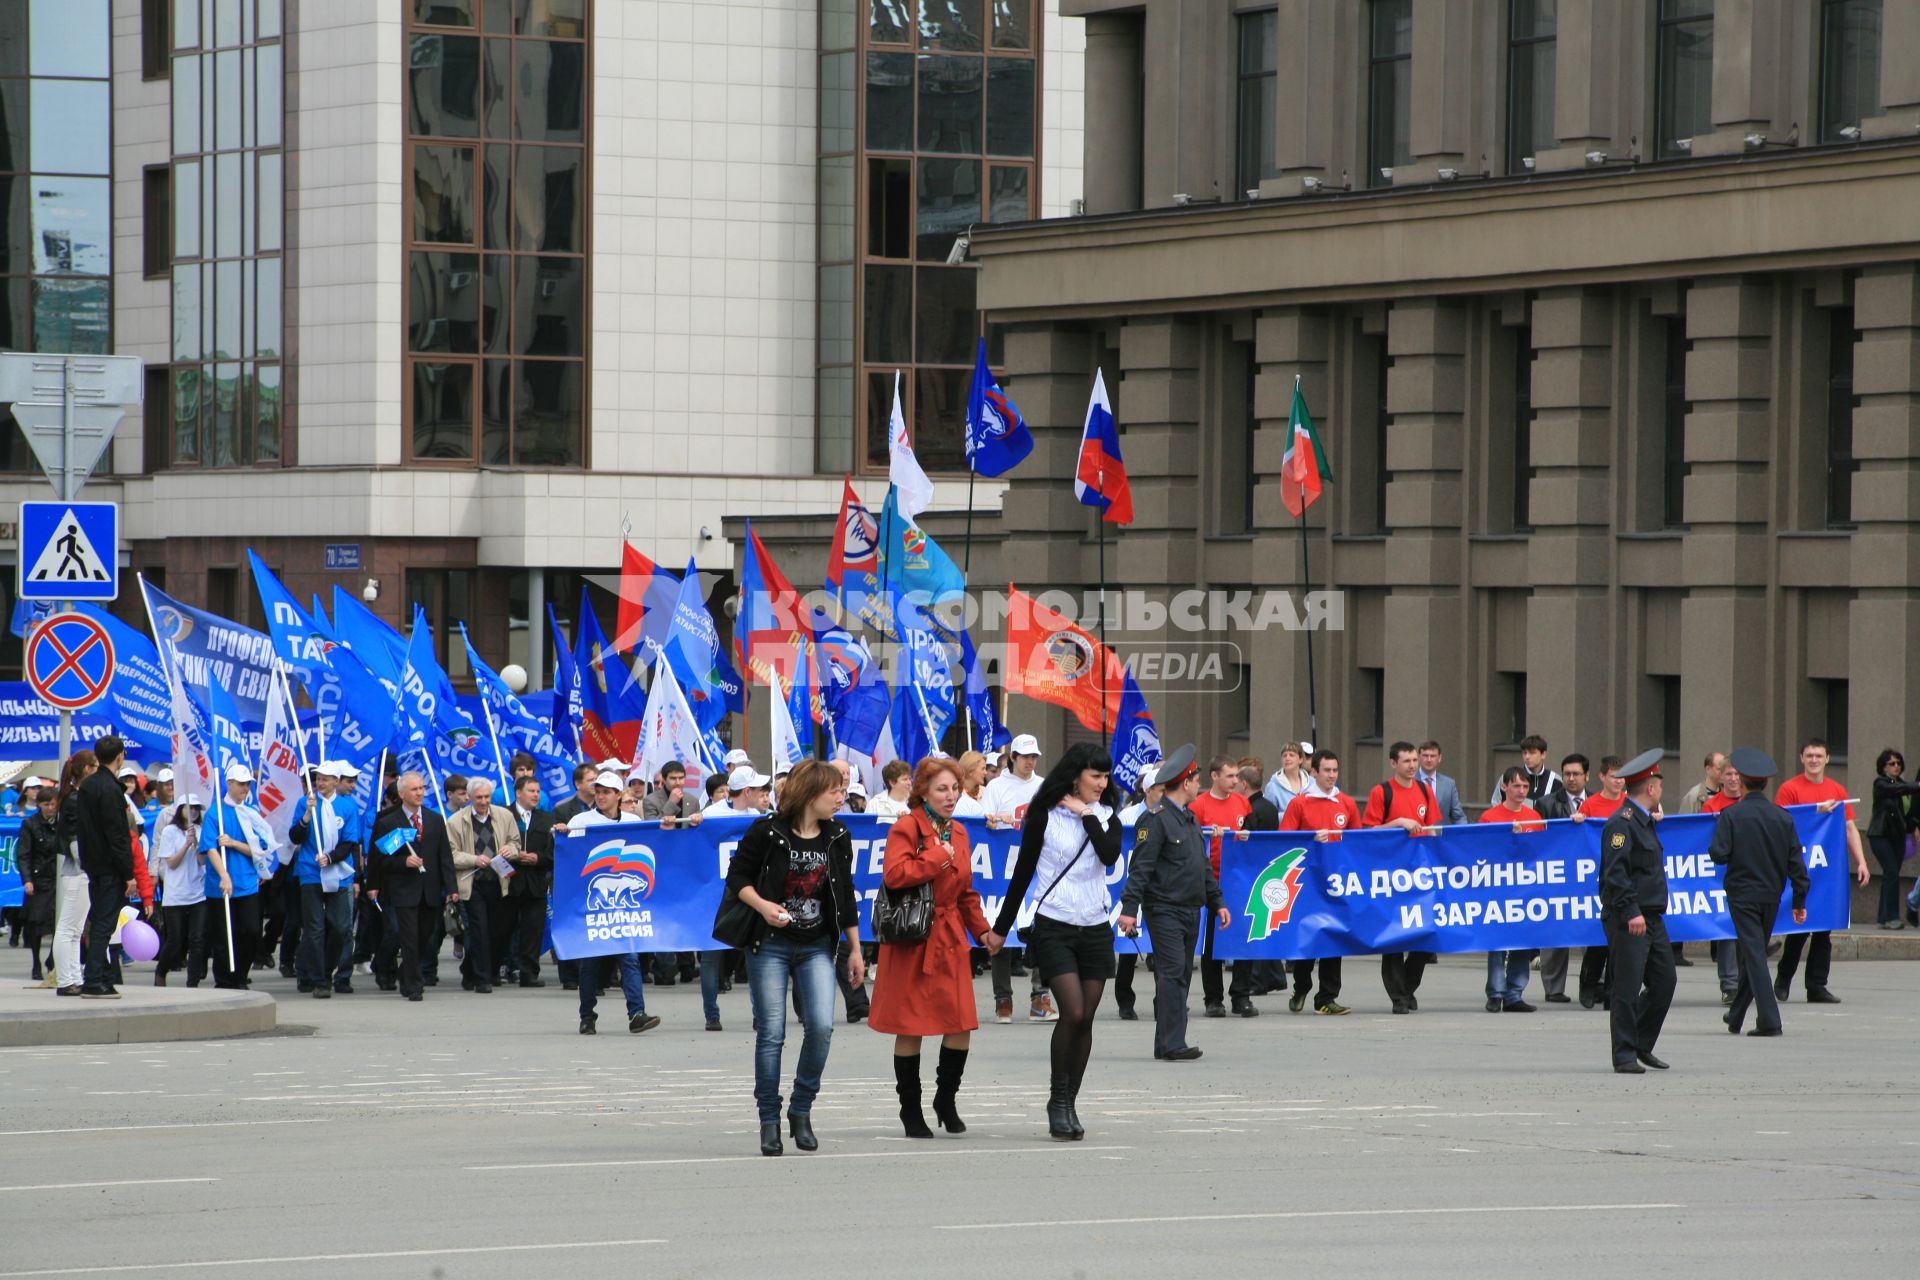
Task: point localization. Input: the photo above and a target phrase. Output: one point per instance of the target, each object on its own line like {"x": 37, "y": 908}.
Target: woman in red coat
{"x": 926, "y": 988}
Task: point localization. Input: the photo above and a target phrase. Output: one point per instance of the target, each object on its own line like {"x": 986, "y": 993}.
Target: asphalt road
{"x": 480, "y": 1136}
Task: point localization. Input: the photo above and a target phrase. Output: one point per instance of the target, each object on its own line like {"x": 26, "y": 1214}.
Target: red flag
{"x": 646, "y": 601}
{"x": 856, "y": 539}
{"x": 1050, "y": 659}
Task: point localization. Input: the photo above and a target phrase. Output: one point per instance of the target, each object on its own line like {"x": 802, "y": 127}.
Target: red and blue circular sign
{"x": 70, "y": 661}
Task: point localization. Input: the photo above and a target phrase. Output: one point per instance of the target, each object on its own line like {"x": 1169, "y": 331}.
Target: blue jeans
{"x": 712, "y": 963}
{"x": 631, "y": 984}
{"x": 808, "y": 967}
{"x": 1507, "y": 975}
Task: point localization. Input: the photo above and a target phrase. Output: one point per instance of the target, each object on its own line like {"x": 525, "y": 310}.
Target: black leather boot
{"x": 906, "y": 1082}
{"x": 770, "y": 1139}
{"x": 1060, "y": 1110}
{"x": 1073, "y": 1110}
{"x": 801, "y": 1127}
{"x": 953, "y": 1065}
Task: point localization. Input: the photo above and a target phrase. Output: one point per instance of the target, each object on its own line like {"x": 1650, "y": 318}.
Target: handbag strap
{"x": 1063, "y": 873}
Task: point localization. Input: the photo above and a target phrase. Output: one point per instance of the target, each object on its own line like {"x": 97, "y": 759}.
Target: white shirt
{"x": 1008, "y": 794}
{"x": 968, "y": 807}
{"x": 594, "y": 818}
{"x": 1131, "y": 814}
{"x": 186, "y": 884}
{"x": 885, "y": 806}
{"x": 1081, "y": 896}
{"x": 717, "y": 809}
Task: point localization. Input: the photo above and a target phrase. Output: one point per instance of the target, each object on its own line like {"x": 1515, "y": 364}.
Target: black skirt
{"x": 1056, "y": 948}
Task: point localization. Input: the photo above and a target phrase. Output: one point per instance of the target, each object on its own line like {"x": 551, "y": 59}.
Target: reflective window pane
{"x": 72, "y": 315}
{"x": 549, "y": 307}
{"x": 837, "y": 99}
{"x": 186, "y": 414}
{"x": 268, "y": 27}
{"x": 226, "y": 22}
{"x": 946, "y": 324}
{"x": 889, "y": 208}
{"x": 550, "y": 91}
{"x": 443, "y": 302}
{"x": 496, "y": 186}
{"x": 225, "y": 433}
{"x": 226, "y": 209}
{"x": 227, "y": 100}
{"x": 496, "y": 107}
{"x": 16, "y": 225}
{"x": 267, "y": 308}
{"x": 226, "y": 309}
{"x": 836, "y": 315}
{"x": 1013, "y": 24}
{"x": 249, "y": 203}
{"x": 879, "y": 405}
{"x": 889, "y": 102}
{"x": 888, "y": 300}
{"x": 272, "y": 202}
{"x": 548, "y": 414}
{"x": 560, "y": 19}
{"x": 496, "y": 287}
{"x": 446, "y": 13}
{"x": 14, "y": 153}
{"x": 836, "y": 209}
{"x": 1533, "y": 19}
{"x": 72, "y": 226}
{"x": 443, "y": 195}
{"x": 68, "y": 37}
{"x": 950, "y": 24}
{"x": 249, "y": 85}
{"x": 836, "y": 420}
{"x": 888, "y": 22}
{"x": 249, "y": 306}
{"x": 268, "y": 97}
{"x": 69, "y": 121}
{"x": 1007, "y": 195}
{"x": 443, "y": 86}
{"x": 949, "y": 104}
{"x": 1392, "y": 28}
{"x": 1850, "y": 60}
{"x": 266, "y": 413}
{"x": 948, "y": 203}
{"x": 837, "y": 23}
{"x": 186, "y": 24}
{"x": 186, "y": 209}
{"x": 442, "y": 410}
{"x": 939, "y": 418}
{"x": 186, "y": 105}
{"x": 546, "y": 199}
{"x": 496, "y": 412}
{"x": 1010, "y": 107}
{"x": 16, "y": 313}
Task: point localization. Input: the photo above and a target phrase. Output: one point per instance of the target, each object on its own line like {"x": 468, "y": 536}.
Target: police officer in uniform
{"x": 1171, "y": 878}
{"x": 1633, "y": 908}
{"x": 1760, "y": 847}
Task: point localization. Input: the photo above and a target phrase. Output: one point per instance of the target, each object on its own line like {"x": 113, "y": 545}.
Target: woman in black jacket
{"x": 1893, "y": 817}
{"x": 38, "y": 857}
{"x": 788, "y": 900}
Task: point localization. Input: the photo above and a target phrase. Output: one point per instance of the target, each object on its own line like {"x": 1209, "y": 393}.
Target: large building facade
{"x": 438, "y": 298}
{"x": 1608, "y": 312}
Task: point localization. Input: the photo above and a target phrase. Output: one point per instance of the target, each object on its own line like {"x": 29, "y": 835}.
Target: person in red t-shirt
{"x": 1732, "y": 788}
{"x": 1612, "y": 793}
{"x": 1507, "y": 971}
{"x": 1406, "y": 802}
{"x": 1327, "y": 811}
{"x": 1814, "y": 787}
{"x": 1220, "y": 809}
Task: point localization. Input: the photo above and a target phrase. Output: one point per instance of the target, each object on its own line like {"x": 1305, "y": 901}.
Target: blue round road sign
{"x": 69, "y": 661}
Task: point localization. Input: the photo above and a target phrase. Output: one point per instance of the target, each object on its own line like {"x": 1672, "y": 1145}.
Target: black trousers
{"x": 1401, "y": 971}
{"x": 246, "y": 937}
{"x": 1594, "y": 978}
{"x": 106, "y": 895}
{"x": 481, "y": 909}
{"x": 1329, "y": 978}
{"x": 523, "y": 922}
{"x": 856, "y": 997}
{"x": 1643, "y": 982}
{"x": 1124, "y": 967}
{"x": 1241, "y": 987}
{"x": 183, "y": 941}
{"x": 411, "y": 929}
{"x": 1174, "y": 930}
{"x": 1890, "y": 851}
{"x": 278, "y": 912}
{"x": 1752, "y": 931}
{"x": 293, "y": 912}
{"x": 1819, "y": 950}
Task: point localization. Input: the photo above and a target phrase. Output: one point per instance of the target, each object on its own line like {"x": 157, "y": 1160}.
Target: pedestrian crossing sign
{"x": 69, "y": 550}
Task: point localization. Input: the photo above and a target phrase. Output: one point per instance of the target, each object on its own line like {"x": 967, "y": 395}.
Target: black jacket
{"x": 536, "y": 836}
{"x": 400, "y": 885}
{"x": 1170, "y": 866}
{"x": 1756, "y": 841}
{"x": 1633, "y": 869}
{"x": 106, "y": 842}
{"x": 1892, "y": 818}
{"x": 1262, "y": 816}
{"x": 38, "y": 856}
{"x": 761, "y": 859}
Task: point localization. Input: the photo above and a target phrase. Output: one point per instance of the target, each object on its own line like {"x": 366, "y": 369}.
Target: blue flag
{"x": 437, "y": 726}
{"x": 296, "y": 639}
{"x": 520, "y": 729}
{"x": 137, "y": 700}
{"x": 923, "y": 682}
{"x": 355, "y": 709}
{"x": 566, "y": 689}
{"x": 911, "y": 561}
{"x": 693, "y": 651}
{"x": 208, "y": 649}
{"x": 379, "y": 647}
{"x": 228, "y": 733}
{"x": 988, "y": 733}
{"x": 852, "y": 693}
{"x": 1136, "y": 743}
{"x": 395, "y": 840}
{"x": 997, "y": 436}
{"x": 612, "y": 703}
{"x": 29, "y": 613}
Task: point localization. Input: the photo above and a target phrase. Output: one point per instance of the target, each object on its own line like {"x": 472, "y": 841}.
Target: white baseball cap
{"x": 743, "y": 777}
{"x": 345, "y": 769}
{"x": 1025, "y": 745}
{"x": 736, "y": 758}
{"x": 610, "y": 765}
{"x": 1147, "y": 776}
{"x": 327, "y": 769}
{"x": 127, "y": 771}
{"x": 35, "y": 780}
{"x": 857, "y": 788}
{"x": 610, "y": 780}
{"x": 164, "y": 774}
{"x": 239, "y": 773}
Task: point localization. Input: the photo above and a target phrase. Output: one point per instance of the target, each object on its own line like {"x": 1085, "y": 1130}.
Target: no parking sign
{"x": 70, "y": 661}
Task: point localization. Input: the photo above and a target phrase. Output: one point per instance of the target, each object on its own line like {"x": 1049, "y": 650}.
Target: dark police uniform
{"x": 1633, "y": 882}
{"x": 1170, "y": 877}
{"x": 1759, "y": 845}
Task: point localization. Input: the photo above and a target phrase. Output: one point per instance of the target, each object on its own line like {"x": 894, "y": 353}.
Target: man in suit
{"x": 525, "y": 919}
{"x": 1446, "y": 792}
{"x": 413, "y": 884}
{"x": 1760, "y": 847}
{"x": 1564, "y": 804}
{"x": 1633, "y": 910}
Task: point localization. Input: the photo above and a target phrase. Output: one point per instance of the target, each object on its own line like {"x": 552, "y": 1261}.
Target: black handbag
{"x": 733, "y": 923}
{"x": 903, "y": 915}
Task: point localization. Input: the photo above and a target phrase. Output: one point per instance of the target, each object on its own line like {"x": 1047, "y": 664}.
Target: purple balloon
{"x": 138, "y": 941}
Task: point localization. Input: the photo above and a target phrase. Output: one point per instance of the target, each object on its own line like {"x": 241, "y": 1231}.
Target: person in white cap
{"x": 324, "y": 870}
{"x": 163, "y": 786}
{"x": 736, "y": 758}
{"x": 1006, "y": 798}
{"x": 231, "y": 844}
{"x": 183, "y": 894}
{"x": 608, "y": 788}
{"x": 748, "y": 788}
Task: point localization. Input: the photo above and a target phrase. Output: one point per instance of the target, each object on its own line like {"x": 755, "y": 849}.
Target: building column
{"x": 1726, "y": 555}
{"x": 1445, "y": 56}
{"x": 1427, "y": 338}
{"x": 1883, "y": 692}
{"x": 1747, "y": 75}
{"x": 1899, "y": 75}
{"x": 1586, "y": 107}
{"x": 1311, "y": 53}
{"x": 1569, "y": 557}
{"x": 1113, "y": 83}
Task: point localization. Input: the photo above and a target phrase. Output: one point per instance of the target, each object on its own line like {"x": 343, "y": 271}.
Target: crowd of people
{"x": 381, "y": 894}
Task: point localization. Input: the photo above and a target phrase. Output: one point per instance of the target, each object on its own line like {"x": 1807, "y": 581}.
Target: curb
{"x": 217, "y": 1017}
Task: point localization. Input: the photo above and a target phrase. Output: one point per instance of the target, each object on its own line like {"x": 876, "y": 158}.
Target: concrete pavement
{"x": 480, "y": 1136}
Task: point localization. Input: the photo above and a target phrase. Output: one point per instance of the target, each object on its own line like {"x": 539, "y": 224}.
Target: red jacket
{"x": 926, "y": 988}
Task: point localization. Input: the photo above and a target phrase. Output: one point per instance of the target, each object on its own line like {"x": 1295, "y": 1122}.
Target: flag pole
{"x": 1306, "y": 584}
{"x": 1103, "y": 620}
{"x": 493, "y": 733}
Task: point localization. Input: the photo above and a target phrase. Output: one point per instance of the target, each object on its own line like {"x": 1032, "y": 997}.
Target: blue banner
{"x": 30, "y": 729}
{"x": 1483, "y": 887}
{"x": 207, "y": 650}
{"x": 13, "y": 892}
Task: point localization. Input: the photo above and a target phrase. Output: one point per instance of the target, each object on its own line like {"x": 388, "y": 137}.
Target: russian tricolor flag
{"x": 1100, "y": 478}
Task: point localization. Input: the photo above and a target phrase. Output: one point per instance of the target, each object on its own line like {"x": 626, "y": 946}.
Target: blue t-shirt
{"x": 225, "y": 821}
{"x": 306, "y": 865}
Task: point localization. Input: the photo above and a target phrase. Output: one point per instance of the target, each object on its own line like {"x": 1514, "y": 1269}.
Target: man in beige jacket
{"x": 477, "y": 835}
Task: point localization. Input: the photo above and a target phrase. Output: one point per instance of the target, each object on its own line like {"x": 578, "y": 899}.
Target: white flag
{"x": 192, "y": 752}
{"x": 277, "y": 786}
{"x": 915, "y": 491}
{"x": 667, "y": 731}
{"x": 786, "y": 741}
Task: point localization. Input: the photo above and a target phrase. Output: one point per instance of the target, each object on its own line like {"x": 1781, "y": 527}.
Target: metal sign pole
{"x": 66, "y": 717}
{"x": 64, "y": 487}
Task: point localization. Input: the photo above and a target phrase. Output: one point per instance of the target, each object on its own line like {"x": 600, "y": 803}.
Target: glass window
{"x": 558, "y": 19}
{"x": 72, "y": 315}
{"x": 496, "y": 289}
{"x": 939, "y": 417}
{"x": 547, "y": 307}
{"x": 888, "y": 23}
{"x": 950, "y": 24}
{"x": 947, "y": 323}
{"x": 838, "y": 97}
{"x": 443, "y": 302}
{"x": 1841, "y": 402}
{"x": 1684, "y": 83}
{"x": 496, "y": 108}
{"x": 16, "y": 313}
{"x": 496, "y": 412}
{"x": 68, "y": 37}
{"x": 836, "y": 209}
{"x": 72, "y": 226}
{"x": 186, "y": 105}
{"x": 443, "y": 410}
{"x": 1259, "y": 73}
{"x": 266, "y": 413}
{"x": 14, "y": 136}
{"x": 268, "y": 27}
{"x": 268, "y": 97}
{"x": 1007, "y": 194}
{"x": 443, "y": 194}
{"x": 186, "y": 413}
{"x": 1390, "y": 89}
{"x": 186, "y": 24}
{"x": 272, "y": 202}
{"x": 445, "y": 13}
{"x": 547, "y": 424}
{"x": 69, "y": 122}
{"x": 890, "y": 101}
{"x": 949, "y": 203}
{"x": 266, "y": 340}
{"x": 16, "y": 225}
{"x": 949, "y": 104}
{"x": 1013, "y": 24}
{"x": 1010, "y": 106}
{"x": 551, "y": 95}
{"x": 546, "y": 200}
{"x": 1849, "y": 65}
{"x": 226, "y": 415}
{"x": 186, "y": 209}
{"x": 1530, "y": 79}
{"x": 226, "y": 309}
{"x": 496, "y": 187}
{"x": 226, "y": 101}
{"x": 226, "y": 22}
{"x": 836, "y": 315}
{"x": 889, "y": 315}
{"x": 443, "y": 86}
{"x": 889, "y": 208}
{"x": 879, "y": 406}
{"x": 837, "y": 23}
{"x": 227, "y": 213}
